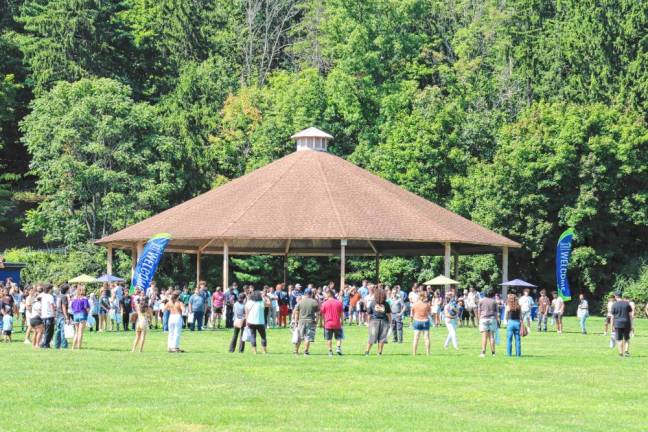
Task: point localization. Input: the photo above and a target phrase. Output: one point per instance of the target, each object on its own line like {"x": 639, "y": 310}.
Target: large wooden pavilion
{"x": 311, "y": 203}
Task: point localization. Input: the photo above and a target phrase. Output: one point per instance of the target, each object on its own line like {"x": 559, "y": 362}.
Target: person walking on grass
{"x": 488, "y": 321}
{"x": 558, "y": 306}
{"x": 144, "y": 315}
{"x": 543, "y": 310}
{"x": 622, "y": 315}
{"x": 174, "y": 307}
{"x": 7, "y": 325}
{"x": 29, "y": 302}
{"x": 582, "y": 312}
{"x": 80, "y": 307}
{"x": 255, "y": 321}
{"x": 451, "y": 313}
{"x": 305, "y": 315}
{"x": 332, "y": 313}
{"x": 379, "y": 314}
{"x": 514, "y": 322}
{"x": 239, "y": 325}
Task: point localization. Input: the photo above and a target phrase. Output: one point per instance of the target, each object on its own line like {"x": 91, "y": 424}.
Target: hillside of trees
{"x": 527, "y": 116}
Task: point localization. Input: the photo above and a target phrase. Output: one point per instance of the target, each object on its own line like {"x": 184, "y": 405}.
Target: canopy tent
{"x": 311, "y": 203}
{"x": 441, "y": 280}
{"x": 518, "y": 283}
{"x": 84, "y": 278}
{"x": 109, "y": 278}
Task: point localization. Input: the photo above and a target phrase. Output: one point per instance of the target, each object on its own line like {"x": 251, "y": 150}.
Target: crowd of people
{"x": 52, "y": 315}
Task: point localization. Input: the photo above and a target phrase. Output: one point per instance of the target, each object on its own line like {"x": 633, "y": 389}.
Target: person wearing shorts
{"x": 379, "y": 313}
{"x": 80, "y": 306}
{"x": 622, "y": 314}
{"x": 488, "y": 315}
{"x": 305, "y": 315}
{"x": 421, "y": 321}
{"x": 332, "y": 319}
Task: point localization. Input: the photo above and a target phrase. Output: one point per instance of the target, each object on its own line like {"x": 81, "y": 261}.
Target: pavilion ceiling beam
{"x": 287, "y": 246}
{"x": 203, "y": 247}
{"x": 373, "y": 247}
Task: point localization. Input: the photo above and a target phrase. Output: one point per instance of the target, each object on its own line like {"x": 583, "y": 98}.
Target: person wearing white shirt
{"x": 47, "y": 315}
{"x": 582, "y": 312}
{"x": 526, "y": 304}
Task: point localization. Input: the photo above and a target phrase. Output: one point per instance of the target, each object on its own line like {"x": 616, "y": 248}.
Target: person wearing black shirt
{"x": 513, "y": 316}
{"x": 126, "y": 305}
{"x": 622, "y": 315}
{"x": 379, "y": 318}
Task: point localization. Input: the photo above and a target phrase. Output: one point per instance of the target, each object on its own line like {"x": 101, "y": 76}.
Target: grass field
{"x": 563, "y": 382}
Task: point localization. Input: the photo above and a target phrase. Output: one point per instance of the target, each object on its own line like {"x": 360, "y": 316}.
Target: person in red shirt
{"x": 332, "y": 313}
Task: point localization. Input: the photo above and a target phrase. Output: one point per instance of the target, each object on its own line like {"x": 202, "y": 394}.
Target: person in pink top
{"x": 332, "y": 313}
{"x": 218, "y": 298}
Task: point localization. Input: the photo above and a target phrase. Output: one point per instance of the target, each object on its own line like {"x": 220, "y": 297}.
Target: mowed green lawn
{"x": 563, "y": 382}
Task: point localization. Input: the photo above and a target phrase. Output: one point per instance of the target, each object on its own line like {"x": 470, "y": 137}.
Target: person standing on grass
{"x": 48, "y": 311}
{"x": 218, "y": 300}
{"x": 7, "y": 325}
{"x": 239, "y": 325}
{"x": 175, "y": 307}
{"x": 582, "y": 312}
{"x": 104, "y": 309}
{"x": 379, "y": 314}
{"x": 487, "y": 310}
{"x": 94, "y": 310}
{"x": 558, "y": 306}
{"x": 514, "y": 322}
{"x": 526, "y": 304}
{"x": 144, "y": 315}
{"x": 29, "y": 301}
{"x": 80, "y": 307}
{"x": 471, "y": 299}
{"x": 36, "y": 322}
{"x": 197, "y": 308}
{"x": 622, "y": 315}
{"x": 126, "y": 308}
{"x": 305, "y": 315}
{"x": 421, "y": 321}
{"x": 282, "y": 301}
{"x": 451, "y": 313}
{"x": 543, "y": 310}
{"x": 255, "y": 321}
{"x": 397, "y": 306}
{"x": 332, "y": 313}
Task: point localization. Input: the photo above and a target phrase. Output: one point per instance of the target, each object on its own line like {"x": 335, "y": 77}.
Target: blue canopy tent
{"x": 10, "y": 270}
{"x": 518, "y": 283}
{"x": 109, "y": 278}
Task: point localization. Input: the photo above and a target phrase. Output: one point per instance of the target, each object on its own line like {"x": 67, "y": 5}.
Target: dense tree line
{"x": 528, "y": 116}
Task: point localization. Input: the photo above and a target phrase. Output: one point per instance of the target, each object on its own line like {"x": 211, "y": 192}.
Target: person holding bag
{"x": 514, "y": 326}
{"x": 239, "y": 325}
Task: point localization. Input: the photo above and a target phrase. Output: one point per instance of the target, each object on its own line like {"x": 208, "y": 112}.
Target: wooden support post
{"x": 505, "y": 276}
{"x": 456, "y": 267}
{"x": 109, "y": 260}
{"x": 133, "y": 261}
{"x": 285, "y": 264}
{"x": 198, "y": 255}
{"x": 225, "y": 265}
{"x": 343, "y": 244}
{"x": 446, "y": 262}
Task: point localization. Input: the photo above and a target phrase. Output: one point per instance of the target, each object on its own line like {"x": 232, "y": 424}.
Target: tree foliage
{"x": 526, "y": 115}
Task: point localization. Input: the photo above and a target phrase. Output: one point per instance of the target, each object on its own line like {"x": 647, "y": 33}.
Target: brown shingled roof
{"x": 305, "y": 203}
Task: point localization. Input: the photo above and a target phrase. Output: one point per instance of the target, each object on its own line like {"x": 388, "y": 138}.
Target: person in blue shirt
{"x": 197, "y": 307}
{"x": 295, "y": 295}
